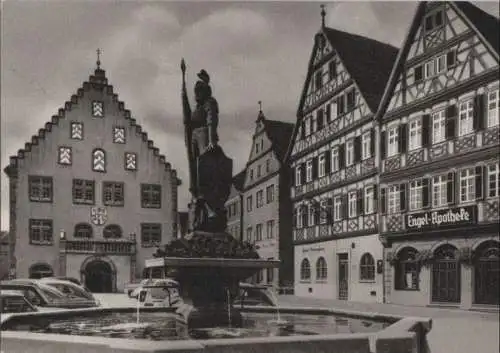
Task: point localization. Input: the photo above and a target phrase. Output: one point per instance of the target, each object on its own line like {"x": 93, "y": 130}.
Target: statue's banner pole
{"x": 187, "y": 129}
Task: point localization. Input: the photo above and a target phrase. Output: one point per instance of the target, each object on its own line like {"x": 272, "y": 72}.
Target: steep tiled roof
{"x": 99, "y": 80}
{"x": 368, "y": 62}
{"x": 239, "y": 179}
{"x": 280, "y": 134}
{"x": 485, "y": 23}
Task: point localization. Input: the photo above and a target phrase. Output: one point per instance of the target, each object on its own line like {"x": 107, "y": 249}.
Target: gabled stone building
{"x": 90, "y": 194}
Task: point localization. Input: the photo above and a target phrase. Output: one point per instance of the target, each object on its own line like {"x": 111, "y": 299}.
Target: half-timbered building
{"x": 439, "y": 181}
{"x": 333, "y": 156}
{"x": 266, "y": 200}
{"x": 90, "y": 195}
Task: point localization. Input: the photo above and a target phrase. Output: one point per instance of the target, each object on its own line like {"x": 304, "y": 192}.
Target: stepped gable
{"x": 96, "y": 81}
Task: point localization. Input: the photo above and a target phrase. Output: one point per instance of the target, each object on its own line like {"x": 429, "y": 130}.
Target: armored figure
{"x": 210, "y": 170}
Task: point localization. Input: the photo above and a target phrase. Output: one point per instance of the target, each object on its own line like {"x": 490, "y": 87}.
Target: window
{"x": 349, "y": 152}
{"x": 439, "y": 191}
{"x": 367, "y": 268}
{"x": 130, "y": 161}
{"x": 270, "y": 193}
{"x": 299, "y": 214}
{"x": 259, "y": 171}
{"x": 434, "y": 21}
{"x": 114, "y": 231}
{"x": 113, "y": 193}
{"x": 340, "y": 105}
{"x": 298, "y": 175}
{"x": 249, "y": 234}
{"x": 467, "y": 185}
{"x": 353, "y": 204}
{"x": 83, "y": 191}
{"x": 392, "y": 141}
{"x": 438, "y": 127}
{"x": 333, "y": 110}
{"x": 465, "y": 121}
{"x": 493, "y": 111}
{"x": 305, "y": 270}
{"x": 312, "y": 121}
{"x": 83, "y": 230}
{"x": 41, "y": 231}
{"x": 76, "y": 131}
{"x": 269, "y": 229}
{"x": 418, "y": 73}
{"x": 369, "y": 200}
{"x": 415, "y": 141}
{"x": 321, "y": 269}
{"x": 307, "y": 127}
{"x": 151, "y": 196}
{"x": 337, "y": 208}
{"x": 393, "y": 199}
{"x": 440, "y": 64}
{"x": 332, "y": 69}
{"x": 258, "y": 232}
{"x": 270, "y": 273}
{"x": 249, "y": 203}
{"x": 118, "y": 134}
{"x": 64, "y": 155}
{"x": 406, "y": 270}
{"x": 312, "y": 215}
{"x": 351, "y": 100}
{"x": 429, "y": 69}
{"x": 251, "y": 174}
{"x": 321, "y": 165}
{"x": 309, "y": 170}
{"x": 318, "y": 79}
{"x": 335, "y": 159}
{"x": 259, "y": 199}
{"x": 493, "y": 180}
{"x": 366, "y": 145}
{"x": 97, "y": 109}
{"x": 40, "y": 188}
{"x": 99, "y": 160}
{"x": 150, "y": 234}
{"x": 268, "y": 165}
{"x": 416, "y": 195}
{"x": 257, "y": 147}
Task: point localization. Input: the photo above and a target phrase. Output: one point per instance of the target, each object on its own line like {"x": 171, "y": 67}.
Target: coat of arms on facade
{"x": 98, "y": 215}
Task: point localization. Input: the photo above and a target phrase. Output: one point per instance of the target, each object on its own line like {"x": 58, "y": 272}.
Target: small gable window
{"x": 130, "y": 161}
{"x": 351, "y": 100}
{"x": 319, "y": 79}
{"x": 64, "y": 155}
{"x": 77, "y": 131}
{"x": 332, "y": 69}
{"x": 97, "y": 109}
{"x": 98, "y": 160}
{"x": 434, "y": 20}
{"x": 118, "y": 134}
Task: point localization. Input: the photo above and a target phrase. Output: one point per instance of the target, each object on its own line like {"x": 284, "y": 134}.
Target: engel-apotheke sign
{"x": 447, "y": 218}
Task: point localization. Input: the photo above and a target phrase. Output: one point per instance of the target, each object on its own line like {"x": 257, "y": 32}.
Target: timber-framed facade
{"x": 439, "y": 171}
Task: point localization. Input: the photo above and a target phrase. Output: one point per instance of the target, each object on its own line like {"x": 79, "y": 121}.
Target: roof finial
{"x": 260, "y": 106}
{"x": 99, "y": 52}
{"x": 323, "y": 14}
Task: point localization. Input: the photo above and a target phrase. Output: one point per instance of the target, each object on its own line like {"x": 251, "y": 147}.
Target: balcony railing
{"x": 98, "y": 247}
{"x": 483, "y": 212}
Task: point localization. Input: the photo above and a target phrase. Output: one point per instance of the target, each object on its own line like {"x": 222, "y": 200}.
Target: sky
{"x": 252, "y": 50}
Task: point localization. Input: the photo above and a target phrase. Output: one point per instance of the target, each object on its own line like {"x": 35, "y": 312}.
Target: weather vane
{"x": 323, "y": 14}
{"x": 99, "y": 52}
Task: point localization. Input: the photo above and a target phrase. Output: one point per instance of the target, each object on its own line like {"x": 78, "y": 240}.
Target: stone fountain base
{"x": 209, "y": 268}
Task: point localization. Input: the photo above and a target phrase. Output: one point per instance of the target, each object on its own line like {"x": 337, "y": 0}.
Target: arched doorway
{"x": 446, "y": 275}
{"x": 486, "y": 273}
{"x": 99, "y": 275}
{"x": 38, "y": 271}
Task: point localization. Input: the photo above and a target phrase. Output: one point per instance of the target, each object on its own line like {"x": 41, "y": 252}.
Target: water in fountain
{"x": 278, "y": 320}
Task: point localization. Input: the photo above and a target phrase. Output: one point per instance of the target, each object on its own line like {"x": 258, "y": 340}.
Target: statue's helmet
{"x": 204, "y": 76}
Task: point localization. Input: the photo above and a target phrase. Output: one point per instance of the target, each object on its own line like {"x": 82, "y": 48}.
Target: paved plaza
{"x": 453, "y": 330}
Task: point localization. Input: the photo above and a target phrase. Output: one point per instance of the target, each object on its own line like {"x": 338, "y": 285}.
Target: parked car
{"x": 45, "y": 296}
{"x": 252, "y": 294}
{"x": 131, "y": 289}
{"x": 70, "y": 279}
{"x": 161, "y": 293}
{"x": 69, "y": 288}
{"x": 14, "y": 301}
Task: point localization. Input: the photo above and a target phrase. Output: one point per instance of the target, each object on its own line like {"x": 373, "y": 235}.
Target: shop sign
{"x": 447, "y": 218}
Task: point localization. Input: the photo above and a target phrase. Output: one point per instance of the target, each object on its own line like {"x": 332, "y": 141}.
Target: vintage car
{"x": 69, "y": 288}
{"x": 42, "y": 295}
{"x": 160, "y": 293}
{"x": 132, "y": 289}
{"x": 253, "y": 294}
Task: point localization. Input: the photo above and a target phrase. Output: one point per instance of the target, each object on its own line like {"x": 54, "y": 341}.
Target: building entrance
{"x": 99, "y": 277}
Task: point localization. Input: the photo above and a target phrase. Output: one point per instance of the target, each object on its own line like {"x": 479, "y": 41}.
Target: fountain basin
{"x": 385, "y": 334}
